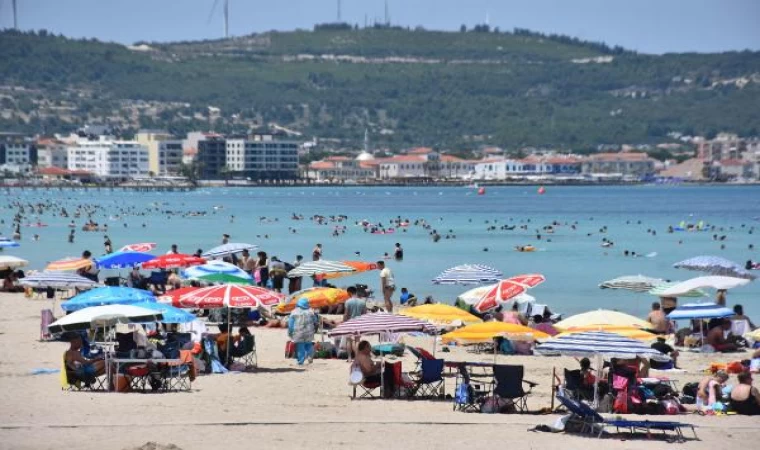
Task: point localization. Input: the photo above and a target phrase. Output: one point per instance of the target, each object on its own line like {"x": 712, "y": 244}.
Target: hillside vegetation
{"x": 409, "y": 87}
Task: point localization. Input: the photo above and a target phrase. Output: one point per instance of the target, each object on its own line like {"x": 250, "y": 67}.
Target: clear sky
{"x": 651, "y": 26}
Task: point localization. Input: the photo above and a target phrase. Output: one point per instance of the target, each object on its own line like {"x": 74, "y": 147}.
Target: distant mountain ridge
{"x": 408, "y": 87}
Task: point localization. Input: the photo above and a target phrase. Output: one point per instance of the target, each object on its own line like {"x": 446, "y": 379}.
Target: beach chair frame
{"x": 509, "y": 382}
{"x": 430, "y": 383}
{"x": 477, "y": 391}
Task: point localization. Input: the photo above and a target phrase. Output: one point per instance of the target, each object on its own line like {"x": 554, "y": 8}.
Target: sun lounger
{"x": 591, "y": 422}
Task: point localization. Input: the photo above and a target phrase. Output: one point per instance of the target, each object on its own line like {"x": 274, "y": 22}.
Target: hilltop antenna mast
{"x": 366, "y": 140}
{"x": 387, "y": 15}
{"x": 15, "y": 15}
{"x": 226, "y": 19}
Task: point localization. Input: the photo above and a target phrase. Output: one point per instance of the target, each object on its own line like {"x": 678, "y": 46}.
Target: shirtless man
{"x": 658, "y": 320}
{"x": 84, "y": 369}
{"x": 716, "y": 338}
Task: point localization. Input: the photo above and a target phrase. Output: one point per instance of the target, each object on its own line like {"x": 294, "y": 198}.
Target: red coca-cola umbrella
{"x": 225, "y": 295}
{"x": 173, "y": 261}
{"x": 170, "y": 296}
{"x": 507, "y": 289}
{"x": 141, "y": 247}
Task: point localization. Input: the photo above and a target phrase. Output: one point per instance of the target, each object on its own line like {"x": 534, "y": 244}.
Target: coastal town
{"x": 95, "y": 155}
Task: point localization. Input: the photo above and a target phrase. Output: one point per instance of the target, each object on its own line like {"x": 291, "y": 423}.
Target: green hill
{"x": 409, "y": 87}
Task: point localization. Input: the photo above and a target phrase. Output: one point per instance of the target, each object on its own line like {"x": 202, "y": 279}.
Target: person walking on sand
{"x": 302, "y": 326}
{"x": 387, "y": 285}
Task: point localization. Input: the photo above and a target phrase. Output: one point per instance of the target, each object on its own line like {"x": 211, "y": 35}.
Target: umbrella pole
{"x": 599, "y": 363}
{"x": 229, "y": 332}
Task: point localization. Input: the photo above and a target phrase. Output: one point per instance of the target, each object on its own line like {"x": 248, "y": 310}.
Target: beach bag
{"x": 355, "y": 376}
{"x": 290, "y": 349}
{"x": 462, "y": 395}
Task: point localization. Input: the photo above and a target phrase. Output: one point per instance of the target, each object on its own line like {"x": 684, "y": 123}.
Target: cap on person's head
{"x": 303, "y": 303}
{"x": 721, "y": 375}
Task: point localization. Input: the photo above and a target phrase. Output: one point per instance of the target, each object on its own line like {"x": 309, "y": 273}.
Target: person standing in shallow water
{"x": 398, "y": 252}
{"x": 316, "y": 254}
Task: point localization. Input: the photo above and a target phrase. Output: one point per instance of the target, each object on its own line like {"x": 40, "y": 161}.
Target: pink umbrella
{"x": 507, "y": 289}
{"x": 226, "y": 295}
{"x": 144, "y": 247}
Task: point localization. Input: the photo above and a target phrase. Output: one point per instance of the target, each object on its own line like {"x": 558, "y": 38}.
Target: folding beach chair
{"x": 71, "y": 382}
{"x": 509, "y": 385}
{"x": 402, "y": 388}
{"x": 430, "y": 384}
{"x": 245, "y": 350}
{"x": 590, "y": 421}
{"x": 469, "y": 394}
{"x": 573, "y": 386}
{"x": 421, "y": 354}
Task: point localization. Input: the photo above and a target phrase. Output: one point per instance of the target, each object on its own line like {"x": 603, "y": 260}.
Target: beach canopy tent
{"x": 714, "y": 282}
{"x": 625, "y": 331}
{"x": 660, "y": 291}
{"x": 358, "y": 266}
{"x": 715, "y": 265}
{"x": 601, "y": 317}
{"x": 173, "y": 261}
{"x": 107, "y": 295}
{"x": 636, "y": 283}
{"x": 218, "y": 271}
{"x": 103, "y": 316}
{"x": 170, "y": 313}
{"x": 141, "y": 247}
{"x": 508, "y": 289}
{"x": 488, "y": 331}
{"x": 12, "y": 262}
{"x": 122, "y": 260}
{"x": 317, "y": 297}
{"x": 467, "y": 274}
{"x": 700, "y": 311}
{"x": 224, "y": 296}
{"x": 376, "y": 323}
{"x": 228, "y": 249}
{"x": 440, "y": 314}
{"x": 56, "y": 279}
{"x": 321, "y": 268}
{"x": 69, "y": 264}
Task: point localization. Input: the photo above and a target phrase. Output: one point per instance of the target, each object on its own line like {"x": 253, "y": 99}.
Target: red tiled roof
{"x": 451, "y": 158}
{"x": 420, "y": 151}
{"x": 321, "y": 165}
{"x": 190, "y": 151}
{"x": 734, "y": 162}
{"x": 80, "y": 172}
{"x": 402, "y": 159}
{"x": 624, "y": 156}
{"x": 53, "y": 171}
{"x": 337, "y": 158}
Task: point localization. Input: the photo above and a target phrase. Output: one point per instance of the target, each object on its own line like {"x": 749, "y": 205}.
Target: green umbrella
{"x": 224, "y": 278}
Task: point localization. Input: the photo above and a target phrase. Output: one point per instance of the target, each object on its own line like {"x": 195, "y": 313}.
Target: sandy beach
{"x": 282, "y": 405}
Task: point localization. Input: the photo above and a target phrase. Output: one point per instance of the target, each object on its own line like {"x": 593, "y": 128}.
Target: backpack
{"x": 690, "y": 389}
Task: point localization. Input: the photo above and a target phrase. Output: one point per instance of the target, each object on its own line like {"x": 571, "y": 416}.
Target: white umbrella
{"x": 102, "y": 316}
{"x": 57, "y": 280}
{"x": 228, "y": 249}
{"x": 469, "y": 274}
{"x": 715, "y": 282}
{"x": 661, "y": 289}
{"x": 320, "y": 267}
{"x": 12, "y": 262}
{"x": 715, "y": 265}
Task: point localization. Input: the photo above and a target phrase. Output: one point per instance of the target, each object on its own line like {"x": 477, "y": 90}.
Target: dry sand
{"x": 282, "y": 406}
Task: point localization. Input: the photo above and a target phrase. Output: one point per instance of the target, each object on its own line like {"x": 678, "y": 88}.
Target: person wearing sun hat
{"x": 302, "y": 325}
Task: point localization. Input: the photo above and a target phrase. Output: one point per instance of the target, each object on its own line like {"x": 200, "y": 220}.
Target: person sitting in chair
{"x": 371, "y": 369}
{"x": 716, "y": 338}
{"x": 84, "y": 369}
{"x": 243, "y": 344}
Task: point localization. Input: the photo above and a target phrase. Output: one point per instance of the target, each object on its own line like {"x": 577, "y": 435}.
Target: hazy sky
{"x": 652, "y": 26}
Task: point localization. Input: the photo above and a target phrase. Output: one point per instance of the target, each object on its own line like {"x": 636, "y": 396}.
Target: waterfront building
{"x": 52, "y": 152}
{"x": 109, "y": 158}
{"x": 624, "y": 164}
{"x": 17, "y": 154}
{"x": 152, "y": 139}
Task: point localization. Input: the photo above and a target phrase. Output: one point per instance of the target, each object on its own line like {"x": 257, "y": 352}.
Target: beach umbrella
{"x": 700, "y": 311}
{"x": 358, "y": 266}
{"x": 56, "y": 280}
{"x": 488, "y": 331}
{"x": 715, "y": 282}
{"x": 629, "y": 332}
{"x": 508, "y": 289}
{"x": 7, "y": 243}
{"x": 376, "y": 323}
{"x": 169, "y": 296}
{"x": 102, "y": 316}
{"x": 218, "y": 271}
{"x": 141, "y": 247}
{"x": 170, "y": 313}
{"x": 474, "y": 295}
{"x": 69, "y": 264}
{"x": 317, "y": 297}
{"x": 122, "y": 260}
{"x": 440, "y": 314}
{"x": 715, "y": 265}
{"x": 107, "y": 295}
{"x": 320, "y": 268}
{"x": 601, "y": 317}
{"x": 469, "y": 274}
{"x": 173, "y": 261}
{"x": 228, "y": 249}
{"x": 636, "y": 283}
{"x": 226, "y": 296}
{"x": 12, "y": 262}
{"x": 661, "y": 289}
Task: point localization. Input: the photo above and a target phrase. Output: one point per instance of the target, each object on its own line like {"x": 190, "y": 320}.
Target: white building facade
{"x": 498, "y": 169}
{"x": 110, "y": 159}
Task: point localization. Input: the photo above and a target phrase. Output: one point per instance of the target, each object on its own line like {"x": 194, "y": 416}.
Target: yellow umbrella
{"x": 440, "y": 314}
{"x": 69, "y": 264}
{"x": 487, "y": 331}
{"x": 317, "y": 297}
{"x": 603, "y": 317}
{"x": 629, "y": 332}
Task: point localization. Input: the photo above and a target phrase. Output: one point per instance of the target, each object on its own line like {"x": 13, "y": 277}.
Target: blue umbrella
{"x": 715, "y": 265}
{"x": 169, "y": 312}
{"x": 7, "y": 243}
{"x": 469, "y": 274}
{"x": 109, "y": 295}
{"x": 700, "y": 311}
{"x": 121, "y": 260}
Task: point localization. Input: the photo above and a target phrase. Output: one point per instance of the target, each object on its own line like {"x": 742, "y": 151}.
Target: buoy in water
{"x": 541, "y": 190}
{"x": 482, "y": 191}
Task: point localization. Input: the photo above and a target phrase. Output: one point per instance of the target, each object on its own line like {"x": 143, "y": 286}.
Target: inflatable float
{"x": 525, "y": 248}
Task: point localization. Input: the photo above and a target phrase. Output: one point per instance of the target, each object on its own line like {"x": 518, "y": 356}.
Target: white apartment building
{"x": 169, "y": 157}
{"x": 52, "y": 153}
{"x": 498, "y": 169}
{"x": 111, "y": 159}
{"x": 18, "y": 157}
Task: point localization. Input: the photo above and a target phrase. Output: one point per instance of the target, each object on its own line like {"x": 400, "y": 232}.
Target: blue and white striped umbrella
{"x": 216, "y": 268}
{"x": 700, "y": 311}
{"x": 57, "y": 280}
{"x": 107, "y": 295}
{"x": 715, "y": 265}
{"x": 228, "y": 249}
{"x": 469, "y": 274}
{"x": 598, "y": 343}
{"x": 321, "y": 267}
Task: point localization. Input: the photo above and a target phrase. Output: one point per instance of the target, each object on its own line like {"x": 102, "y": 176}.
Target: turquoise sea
{"x": 573, "y": 262}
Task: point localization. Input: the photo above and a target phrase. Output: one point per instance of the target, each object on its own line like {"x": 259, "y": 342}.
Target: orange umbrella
{"x": 69, "y": 264}
{"x": 358, "y": 266}
{"x": 317, "y": 297}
